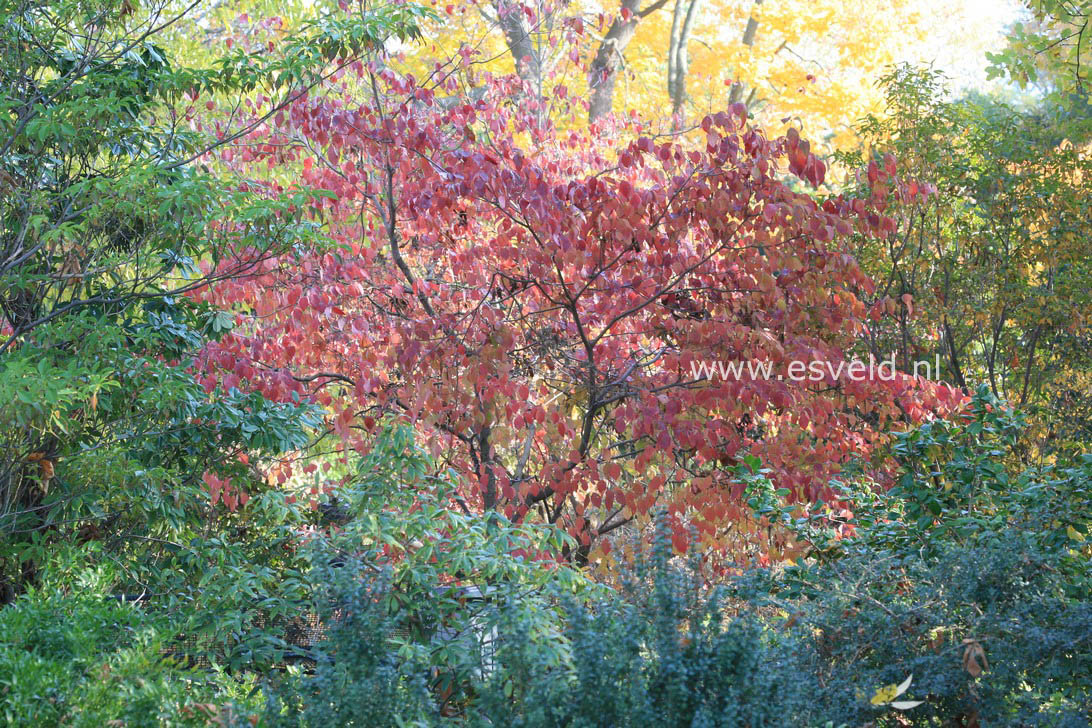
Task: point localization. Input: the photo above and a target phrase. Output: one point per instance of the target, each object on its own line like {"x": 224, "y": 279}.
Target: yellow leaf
{"x": 885, "y": 694}
{"x": 1074, "y": 533}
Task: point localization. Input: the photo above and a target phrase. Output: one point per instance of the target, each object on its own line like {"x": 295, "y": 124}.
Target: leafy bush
{"x": 433, "y": 616}
{"x": 359, "y": 680}
{"x": 416, "y": 597}
{"x": 988, "y": 633}
{"x": 971, "y": 574}
{"x": 984, "y": 604}
{"x": 80, "y": 657}
{"x": 660, "y": 653}
{"x": 664, "y": 651}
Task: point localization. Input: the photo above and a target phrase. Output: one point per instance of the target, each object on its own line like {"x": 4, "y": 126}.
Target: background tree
{"x": 1055, "y": 45}
{"x": 104, "y": 226}
{"x": 991, "y": 273}
{"x": 809, "y": 63}
{"x": 749, "y": 33}
{"x": 683, "y": 17}
{"x": 610, "y": 57}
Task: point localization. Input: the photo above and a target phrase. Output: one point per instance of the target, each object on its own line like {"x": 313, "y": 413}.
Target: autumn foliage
{"x": 534, "y": 300}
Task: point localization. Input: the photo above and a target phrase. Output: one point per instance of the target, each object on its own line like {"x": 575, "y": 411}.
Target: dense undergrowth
{"x": 430, "y": 620}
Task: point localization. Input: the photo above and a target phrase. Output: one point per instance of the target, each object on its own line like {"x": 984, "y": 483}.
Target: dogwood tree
{"x": 538, "y": 302}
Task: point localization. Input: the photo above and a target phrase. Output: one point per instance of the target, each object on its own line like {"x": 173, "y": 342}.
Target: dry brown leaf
{"x": 974, "y": 657}
{"x": 46, "y": 474}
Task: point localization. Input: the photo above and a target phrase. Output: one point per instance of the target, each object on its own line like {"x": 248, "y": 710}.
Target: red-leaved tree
{"x": 539, "y": 303}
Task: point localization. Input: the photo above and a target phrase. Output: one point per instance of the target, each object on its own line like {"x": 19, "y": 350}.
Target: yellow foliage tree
{"x": 811, "y": 63}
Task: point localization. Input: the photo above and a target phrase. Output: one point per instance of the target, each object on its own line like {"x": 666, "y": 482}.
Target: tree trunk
{"x": 678, "y": 60}
{"x": 517, "y": 34}
{"x": 748, "y": 40}
{"x": 608, "y": 59}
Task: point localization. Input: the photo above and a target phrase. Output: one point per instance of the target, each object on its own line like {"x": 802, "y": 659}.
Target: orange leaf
{"x": 974, "y": 657}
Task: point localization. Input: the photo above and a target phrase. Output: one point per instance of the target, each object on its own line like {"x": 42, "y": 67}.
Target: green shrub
{"x": 358, "y": 679}
{"x": 398, "y": 588}
{"x": 968, "y": 577}
{"x": 988, "y": 633}
{"x": 972, "y": 559}
{"x": 435, "y": 617}
{"x": 80, "y": 657}
{"x": 659, "y": 653}
{"x": 662, "y": 652}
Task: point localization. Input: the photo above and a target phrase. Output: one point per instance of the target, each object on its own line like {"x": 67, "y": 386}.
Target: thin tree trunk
{"x": 608, "y": 59}
{"x": 953, "y": 355}
{"x": 678, "y": 61}
{"x": 748, "y": 40}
